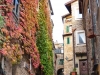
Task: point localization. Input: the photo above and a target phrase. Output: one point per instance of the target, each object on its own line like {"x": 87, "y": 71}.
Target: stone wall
{"x": 68, "y": 48}
{"x": 7, "y": 67}
{"x": 79, "y": 26}
{"x": 89, "y": 46}
{"x": 59, "y": 56}
{"x": 89, "y": 14}
{"x": 16, "y": 69}
{"x": 68, "y": 55}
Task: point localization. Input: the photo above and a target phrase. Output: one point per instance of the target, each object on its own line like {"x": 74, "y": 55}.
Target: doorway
{"x": 83, "y": 67}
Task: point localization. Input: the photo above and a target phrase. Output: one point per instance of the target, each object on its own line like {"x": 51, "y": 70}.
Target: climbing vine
{"x": 19, "y": 37}
{"x": 44, "y": 41}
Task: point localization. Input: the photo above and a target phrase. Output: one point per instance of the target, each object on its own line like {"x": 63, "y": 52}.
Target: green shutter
{"x": 61, "y": 61}
{"x": 67, "y": 28}
{"x": 68, "y": 40}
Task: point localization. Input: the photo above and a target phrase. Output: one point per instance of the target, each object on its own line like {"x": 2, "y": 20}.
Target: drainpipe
{"x": 93, "y": 32}
{"x": 73, "y": 46}
{"x": 84, "y": 23}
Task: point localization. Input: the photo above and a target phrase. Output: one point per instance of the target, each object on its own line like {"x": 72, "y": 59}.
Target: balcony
{"x": 58, "y": 51}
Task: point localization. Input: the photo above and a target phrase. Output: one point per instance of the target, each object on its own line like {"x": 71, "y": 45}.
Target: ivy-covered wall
{"x": 18, "y": 35}
{"x": 44, "y": 42}
{"x": 27, "y": 36}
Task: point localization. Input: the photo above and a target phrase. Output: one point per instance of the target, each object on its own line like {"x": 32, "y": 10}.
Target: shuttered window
{"x": 68, "y": 40}
{"x": 61, "y": 61}
{"x": 67, "y": 28}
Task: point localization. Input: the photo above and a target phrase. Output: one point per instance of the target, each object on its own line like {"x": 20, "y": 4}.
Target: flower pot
{"x": 73, "y": 73}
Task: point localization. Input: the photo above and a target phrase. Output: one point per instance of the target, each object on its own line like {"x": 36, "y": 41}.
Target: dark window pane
{"x": 61, "y": 61}
{"x": 14, "y": 2}
{"x": 16, "y": 9}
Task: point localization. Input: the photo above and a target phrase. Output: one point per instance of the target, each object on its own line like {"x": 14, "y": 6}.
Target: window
{"x": 62, "y": 51}
{"x": 59, "y": 51}
{"x": 97, "y": 1}
{"x": 69, "y": 28}
{"x": 78, "y": 16}
{"x": 68, "y": 40}
{"x": 61, "y": 61}
{"x": 16, "y": 7}
{"x": 80, "y": 37}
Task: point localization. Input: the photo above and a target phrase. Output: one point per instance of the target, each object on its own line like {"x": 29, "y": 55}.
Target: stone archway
{"x": 60, "y": 71}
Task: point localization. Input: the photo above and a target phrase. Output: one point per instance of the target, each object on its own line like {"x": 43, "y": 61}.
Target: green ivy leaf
{"x": 1, "y": 21}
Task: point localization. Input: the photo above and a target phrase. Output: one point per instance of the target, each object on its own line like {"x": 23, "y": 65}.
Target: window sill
{"x": 81, "y": 44}
{"x": 67, "y": 34}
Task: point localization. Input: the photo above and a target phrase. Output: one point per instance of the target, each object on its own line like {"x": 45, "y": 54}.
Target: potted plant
{"x": 73, "y": 72}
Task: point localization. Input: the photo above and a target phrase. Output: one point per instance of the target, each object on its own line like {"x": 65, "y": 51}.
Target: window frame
{"x": 77, "y": 38}
{"x": 61, "y": 61}
{"x": 97, "y": 2}
{"x": 69, "y": 29}
{"x": 16, "y": 8}
{"x": 78, "y": 16}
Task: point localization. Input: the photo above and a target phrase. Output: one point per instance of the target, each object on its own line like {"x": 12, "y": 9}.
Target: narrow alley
{"x": 49, "y": 37}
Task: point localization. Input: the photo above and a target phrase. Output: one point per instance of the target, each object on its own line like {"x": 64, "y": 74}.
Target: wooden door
{"x": 83, "y": 67}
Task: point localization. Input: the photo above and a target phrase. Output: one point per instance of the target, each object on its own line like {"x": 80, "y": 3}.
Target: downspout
{"x": 73, "y": 47}
{"x": 84, "y": 23}
{"x": 92, "y": 14}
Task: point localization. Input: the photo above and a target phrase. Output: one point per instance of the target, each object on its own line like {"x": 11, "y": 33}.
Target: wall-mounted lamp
{"x": 68, "y": 59}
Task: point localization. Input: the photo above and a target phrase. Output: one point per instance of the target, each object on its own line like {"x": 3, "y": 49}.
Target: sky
{"x": 59, "y": 10}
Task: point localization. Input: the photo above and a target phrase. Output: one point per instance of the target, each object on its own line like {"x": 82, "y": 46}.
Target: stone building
{"x": 15, "y": 9}
{"x": 74, "y": 40}
{"x": 91, "y": 18}
{"x": 68, "y": 45}
{"x": 58, "y": 58}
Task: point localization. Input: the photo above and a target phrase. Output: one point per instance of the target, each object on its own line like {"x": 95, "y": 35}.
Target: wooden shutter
{"x": 68, "y": 40}
{"x": 67, "y": 28}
